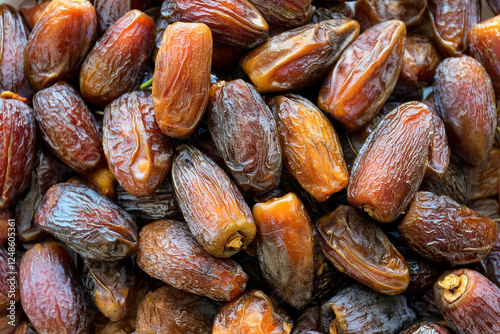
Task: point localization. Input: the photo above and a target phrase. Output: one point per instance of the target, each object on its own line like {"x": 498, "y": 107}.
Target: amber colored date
{"x": 285, "y": 13}
{"x": 168, "y": 251}
{"x": 298, "y": 58}
{"x": 311, "y": 148}
{"x": 74, "y": 213}
{"x": 181, "y": 81}
{"x": 110, "y": 11}
{"x": 253, "y": 312}
{"x": 468, "y": 301}
{"x": 371, "y": 12}
{"x": 31, "y": 10}
{"x": 391, "y": 164}
{"x": 9, "y": 286}
{"x": 68, "y": 127}
{"x": 59, "y": 41}
{"x": 51, "y": 293}
{"x": 365, "y": 75}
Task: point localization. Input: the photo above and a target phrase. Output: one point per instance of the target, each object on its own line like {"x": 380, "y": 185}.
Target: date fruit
{"x": 371, "y": 12}
{"x": 5, "y": 216}
{"x": 285, "y": 13}
{"x": 486, "y": 179}
{"x": 110, "y": 11}
{"x": 425, "y": 327}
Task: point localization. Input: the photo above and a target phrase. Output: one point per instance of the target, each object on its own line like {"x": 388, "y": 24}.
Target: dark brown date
{"x": 285, "y": 13}
{"x": 490, "y": 266}
{"x": 5, "y": 217}
{"x": 327, "y": 10}
{"x": 425, "y": 327}
{"x": 110, "y": 11}
{"x": 486, "y": 179}
{"x": 371, "y": 12}
{"x": 68, "y": 127}
{"x": 9, "y": 286}
{"x": 168, "y": 251}
{"x": 87, "y": 222}
{"x": 245, "y": 133}
{"x": 439, "y": 158}
{"x": 25, "y": 328}
{"x": 423, "y": 275}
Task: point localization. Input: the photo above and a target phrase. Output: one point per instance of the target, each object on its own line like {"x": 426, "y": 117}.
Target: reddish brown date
{"x": 442, "y": 230}
{"x": 68, "y": 127}
{"x": 371, "y": 12}
{"x": 365, "y": 75}
{"x": 139, "y": 159}
{"x": 486, "y": 179}
{"x": 87, "y": 222}
{"x": 425, "y": 327}
{"x": 31, "y": 10}
{"x": 298, "y": 58}
{"x": 9, "y": 288}
{"x": 17, "y": 143}
{"x": 168, "y": 251}
{"x": 110, "y": 11}
{"x": 490, "y": 266}
{"x": 439, "y": 158}
{"x": 468, "y": 301}
{"x": 245, "y": 133}
{"x": 465, "y": 100}
{"x": 5, "y": 217}
{"x": 285, "y": 13}
{"x": 254, "y": 312}
{"x": 51, "y": 292}
{"x": 59, "y": 41}
{"x": 391, "y": 164}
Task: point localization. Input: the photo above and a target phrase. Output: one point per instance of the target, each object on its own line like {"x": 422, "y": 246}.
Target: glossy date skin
{"x": 51, "y": 292}
{"x": 359, "y": 248}
{"x": 490, "y": 266}
{"x": 486, "y": 179}
{"x": 110, "y": 11}
{"x": 285, "y": 13}
{"x": 245, "y": 134}
{"x": 168, "y": 251}
{"x": 31, "y": 10}
{"x": 298, "y": 58}
{"x": 68, "y": 127}
{"x": 383, "y": 183}
{"x": 73, "y": 213}
{"x": 59, "y": 41}
{"x": 365, "y": 75}
{"x": 371, "y": 12}
{"x": 442, "y": 230}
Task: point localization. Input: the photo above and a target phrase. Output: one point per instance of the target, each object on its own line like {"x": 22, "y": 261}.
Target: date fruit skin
{"x": 298, "y": 58}
{"x": 59, "y": 41}
{"x": 465, "y": 100}
{"x": 365, "y": 75}
{"x": 359, "y": 248}
{"x": 486, "y": 179}
{"x": 181, "y": 81}
{"x": 110, "y": 11}
{"x": 212, "y": 205}
{"x": 51, "y": 292}
{"x": 391, "y": 164}
{"x": 8, "y": 280}
{"x": 371, "y": 12}
{"x": 17, "y": 143}
{"x": 115, "y": 64}
{"x": 32, "y": 10}
{"x": 169, "y": 252}
{"x": 490, "y": 266}
{"x": 312, "y": 151}
{"x": 285, "y": 248}
{"x": 425, "y": 327}
{"x": 444, "y": 231}
{"x": 309, "y": 321}
{"x": 439, "y": 158}
{"x": 138, "y": 153}
{"x": 468, "y": 301}
{"x": 13, "y": 39}
{"x": 87, "y": 222}
{"x": 451, "y": 22}
{"x": 285, "y": 13}
{"x": 245, "y": 134}
{"x": 171, "y": 311}
{"x": 5, "y": 216}
{"x": 232, "y": 22}
{"x": 68, "y": 127}
{"x": 252, "y": 313}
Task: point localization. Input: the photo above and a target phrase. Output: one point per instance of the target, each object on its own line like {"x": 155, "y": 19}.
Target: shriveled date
{"x": 110, "y": 11}
{"x": 371, "y": 12}
{"x": 285, "y": 13}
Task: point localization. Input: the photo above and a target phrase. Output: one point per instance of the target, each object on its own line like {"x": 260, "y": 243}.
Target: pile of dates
{"x": 249, "y": 167}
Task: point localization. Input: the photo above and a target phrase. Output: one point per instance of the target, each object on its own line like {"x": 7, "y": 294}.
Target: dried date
{"x": 110, "y": 11}
{"x": 285, "y": 13}
{"x": 371, "y": 12}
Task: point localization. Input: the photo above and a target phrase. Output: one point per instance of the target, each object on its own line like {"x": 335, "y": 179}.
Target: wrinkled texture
{"x": 298, "y": 58}
{"x": 425, "y": 328}
{"x": 439, "y": 158}
{"x": 87, "y": 222}
{"x": 365, "y": 75}
{"x": 110, "y": 11}
{"x": 285, "y": 13}
{"x": 490, "y": 266}
{"x": 422, "y": 277}
{"x": 371, "y": 12}
{"x": 9, "y": 286}
{"x": 168, "y": 251}
{"x": 308, "y": 322}
{"x": 59, "y": 41}
{"x": 486, "y": 179}
{"x": 327, "y": 10}
{"x": 68, "y": 127}
{"x": 5, "y": 216}
{"x": 31, "y": 10}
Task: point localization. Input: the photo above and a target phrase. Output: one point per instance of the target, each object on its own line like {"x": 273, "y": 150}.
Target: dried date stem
{"x": 454, "y": 285}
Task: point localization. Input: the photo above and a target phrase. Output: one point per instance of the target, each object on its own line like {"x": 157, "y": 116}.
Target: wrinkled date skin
{"x": 68, "y": 127}
{"x": 245, "y": 133}
{"x": 465, "y": 100}
{"x": 5, "y": 216}
{"x": 31, "y": 10}
{"x": 181, "y": 81}
{"x": 232, "y": 22}
{"x": 285, "y": 248}
{"x": 13, "y": 39}
{"x": 327, "y": 10}
{"x": 359, "y": 248}
{"x": 439, "y": 158}
{"x": 422, "y": 277}
{"x": 391, "y": 164}
{"x": 486, "y": 179}
{"x": 442, "y": 230}
{"x": 110, "y": 11}
{"x": 171, "y": 311}
{"x": 309, "y": 321}
{"x": 311, "y": 148}
{"x": 253, "y": 312}
{"x": 212, "y": 205}
{"x": 285, "y": 13}
{"x": 59, "y": 41}
{"x": 9, "y": 288}
{"x": 168, "y": 251}
{"x": 371, "y": 12}
{"x": 490, "y": 266}
{"x": 451, "y": 22}
{"x": 87, "y": 222}
{"x": 17, "y": 143}
{"x": 138, "y": 153}
{"x": 468, "y": 301}
{"x": 365, "y": 75}
{"x": 298, "y": 58}
{"x": 51, "y": 292}
{"x": 115, "y": 64}
{"x": 426, "y": 328}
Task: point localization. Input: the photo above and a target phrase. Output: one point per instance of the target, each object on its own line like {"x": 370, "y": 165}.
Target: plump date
{"x": 371, "y": 12}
